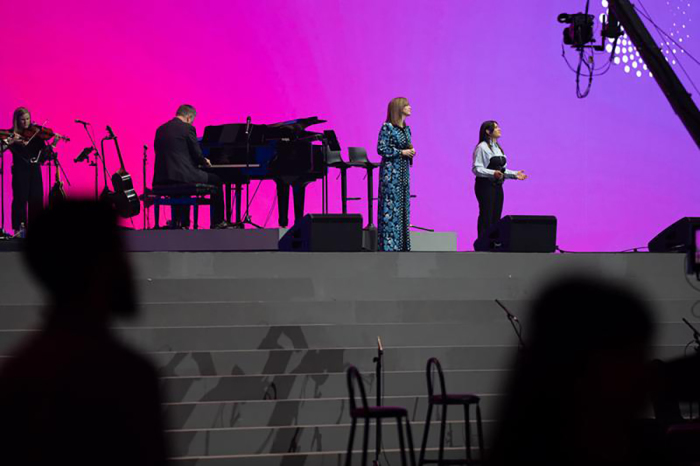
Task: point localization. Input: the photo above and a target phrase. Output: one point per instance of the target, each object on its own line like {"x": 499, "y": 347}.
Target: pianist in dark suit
{"x": 178, "y": 157}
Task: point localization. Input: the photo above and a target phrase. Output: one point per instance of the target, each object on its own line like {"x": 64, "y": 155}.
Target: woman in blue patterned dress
{"x": 396, "y": 149}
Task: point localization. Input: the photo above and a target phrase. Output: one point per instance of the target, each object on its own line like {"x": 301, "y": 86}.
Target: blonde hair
{"x": 18, "y": 113}
{"x": 394, "y": 112}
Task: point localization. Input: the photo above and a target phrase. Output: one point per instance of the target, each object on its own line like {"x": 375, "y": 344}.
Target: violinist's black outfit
{"x": 27, "y": 185}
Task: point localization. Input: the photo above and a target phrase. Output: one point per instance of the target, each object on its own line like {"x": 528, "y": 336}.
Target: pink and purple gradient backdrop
{"x": 615, "y": 168}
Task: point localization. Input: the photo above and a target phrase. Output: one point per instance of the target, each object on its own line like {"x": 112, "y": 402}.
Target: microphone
{"x": 510, "y": 315}
{"x": 247, "y": 125}
{"x": 111, "y": 133}
{"x": 84, "y": 154}
{"x": 84, "y": 123}
{"x": 696, "y": 334}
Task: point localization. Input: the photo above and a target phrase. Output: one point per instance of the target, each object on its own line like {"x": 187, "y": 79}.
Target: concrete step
{"x": 322, "y": 385}
{"x": 20, "y": 317}
{"x": 301, "y": 337}
{"x": 302, "y": 412}
{"x": 311, "y": 361}
{"x": 222, "y": 442}
{"x": 326, "y": 458}
{"x": 321, "y": 336}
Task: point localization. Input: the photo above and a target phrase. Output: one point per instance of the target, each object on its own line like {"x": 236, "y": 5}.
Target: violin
{"x": 41, "y": 132}
{"x": 34, "y": 131}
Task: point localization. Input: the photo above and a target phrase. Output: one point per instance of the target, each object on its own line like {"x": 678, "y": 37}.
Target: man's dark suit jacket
{"x": 178, "y": 154}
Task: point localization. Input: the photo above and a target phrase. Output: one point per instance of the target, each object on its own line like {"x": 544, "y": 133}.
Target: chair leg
{"x": 401, "y": 443}
{"x": 426, "y": 429}
{"x": 365, "y": 443}
{"x": 196, "y": 213}
{"x": 468, "y": 433}
{"x": 348, "y": 455}
{"x": 443, "y": 426}
{"x": 480, "y": 433}
{"x": 411, "y": 451}
{"x": 156, "y": 214}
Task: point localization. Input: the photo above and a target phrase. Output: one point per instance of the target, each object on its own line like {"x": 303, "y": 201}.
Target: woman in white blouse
{"x": 489, "y": 166}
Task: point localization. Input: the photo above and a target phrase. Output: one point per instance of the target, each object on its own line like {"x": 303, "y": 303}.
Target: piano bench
{"x": 195, "y": 194}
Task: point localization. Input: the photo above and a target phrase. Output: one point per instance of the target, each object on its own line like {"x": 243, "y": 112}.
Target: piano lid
{"x": 231, "y": 134}
{"x": 234, "y": 134}
{"x": 299, "y": 124}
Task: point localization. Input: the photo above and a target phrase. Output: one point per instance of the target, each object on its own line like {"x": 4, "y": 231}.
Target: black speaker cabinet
{"x": 679, "y": 237}
{"x": 324, "y": 233}
{"x": 521, "y": 233}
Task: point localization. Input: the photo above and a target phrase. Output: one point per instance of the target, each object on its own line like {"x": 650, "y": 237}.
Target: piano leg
{"x": 299, "y": 190}
{"x": 239, "y": 190}
{"x": 283, "y": 203}
{"x": 227, "y": 191}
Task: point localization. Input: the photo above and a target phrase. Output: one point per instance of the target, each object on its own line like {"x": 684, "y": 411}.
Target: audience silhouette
{"x": 577, "y": 389}
{"x": 73, "y": 393}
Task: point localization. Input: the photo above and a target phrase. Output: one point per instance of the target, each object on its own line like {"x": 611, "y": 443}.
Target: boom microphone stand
{"x": 145, "y": 188}
{"x": 513, "y": 321}
{"x": 98, "y": 156}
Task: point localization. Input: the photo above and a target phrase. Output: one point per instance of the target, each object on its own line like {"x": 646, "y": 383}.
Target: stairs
{"x": 252, "y": 347}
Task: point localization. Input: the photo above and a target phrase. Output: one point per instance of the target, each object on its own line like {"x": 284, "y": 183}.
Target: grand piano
{"x": 284, "y": 152}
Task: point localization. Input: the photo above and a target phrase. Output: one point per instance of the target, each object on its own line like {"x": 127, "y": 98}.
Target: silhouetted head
{"x": 582, "y": 379}
{"x": 76, "y": 252}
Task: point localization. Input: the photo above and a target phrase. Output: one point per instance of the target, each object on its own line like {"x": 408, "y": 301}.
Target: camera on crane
{"x": 579, "y": 33}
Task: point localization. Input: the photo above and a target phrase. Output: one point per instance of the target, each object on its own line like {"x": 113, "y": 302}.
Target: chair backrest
{"x": 434, "y": 364}
{"x": 358, "y": 155}
{"x": 333, "y": 157}
{"x": 353, "y": 375}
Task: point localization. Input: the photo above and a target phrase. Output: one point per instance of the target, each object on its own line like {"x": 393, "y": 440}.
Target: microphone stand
{"x": 696, "y": 334}
{"x": 378, "y": 375}
{"x": 105, "y": 191}
{"x": 246, "y": 218}
{"x": 145, "y": 188}
{"x": 94, "y": 163}
{"x": 3, "y": 148}
{"x": 513, "y": 320}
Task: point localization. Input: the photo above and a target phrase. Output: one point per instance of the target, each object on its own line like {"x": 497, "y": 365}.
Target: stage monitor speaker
{"x": 679, "y": 237}
{"x": 521, "y": 233}
{"x": 324, "y": 233}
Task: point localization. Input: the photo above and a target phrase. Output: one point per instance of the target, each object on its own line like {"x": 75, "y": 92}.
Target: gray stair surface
{"x": 252, "y": 347}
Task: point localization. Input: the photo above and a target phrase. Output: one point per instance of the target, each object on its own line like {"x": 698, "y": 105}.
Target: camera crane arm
{"x": 676, "y": 94}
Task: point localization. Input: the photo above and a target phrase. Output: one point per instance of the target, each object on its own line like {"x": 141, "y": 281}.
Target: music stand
{"x": 330, "y": 143}
{"x": 233, "y": 136}
{"x": 3, "y": 148}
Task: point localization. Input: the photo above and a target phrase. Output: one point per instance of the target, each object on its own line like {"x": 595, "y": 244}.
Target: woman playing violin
{"x": 26, "y": 148}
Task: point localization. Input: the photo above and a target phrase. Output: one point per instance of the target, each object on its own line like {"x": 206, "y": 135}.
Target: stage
{"x": 252, "y": 347}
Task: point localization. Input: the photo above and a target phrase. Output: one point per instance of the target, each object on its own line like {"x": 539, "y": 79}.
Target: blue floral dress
{"x": 394, "y": 212}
